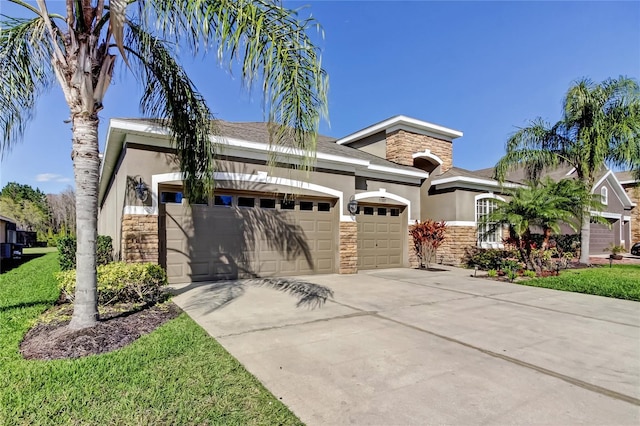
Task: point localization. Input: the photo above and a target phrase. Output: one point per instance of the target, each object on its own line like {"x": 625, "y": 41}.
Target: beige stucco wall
{"x": 375, "y": 144}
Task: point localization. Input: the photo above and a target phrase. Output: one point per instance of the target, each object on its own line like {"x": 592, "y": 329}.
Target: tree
{"x": 62, "y": 212}
{"x": 79, "y": 47}
{"x": 539, "y": 204}
{"x": 27, "y": 206}
{"x": 600, "y": 127}
{"x": 427, "y": 237}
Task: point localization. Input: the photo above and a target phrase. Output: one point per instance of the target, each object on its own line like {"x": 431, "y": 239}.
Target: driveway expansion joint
{"x": 571, "y": 380}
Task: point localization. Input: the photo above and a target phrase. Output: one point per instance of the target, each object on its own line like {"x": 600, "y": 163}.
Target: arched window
{"x": 488, "y": 234}
{"x": 604, "y": 194}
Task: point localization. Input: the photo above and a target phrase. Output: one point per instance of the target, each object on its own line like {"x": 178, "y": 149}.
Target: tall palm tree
{"x": 600, "y": 127}
{"x": 78, "y": 48}
{"x": 539, "y": 204}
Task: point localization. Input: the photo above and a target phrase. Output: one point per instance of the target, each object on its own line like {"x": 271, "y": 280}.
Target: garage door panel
{"x": 325, "y": 226}
{"x": 395, "y": 228}
{"x": 199, "y": 268}
{"x": 382, "y": 227}
{"x": 368, "y": 227}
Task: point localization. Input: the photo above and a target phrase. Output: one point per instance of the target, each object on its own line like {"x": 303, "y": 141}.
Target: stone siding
{"x": 401, "y": 145}
{"x": 634, "y": 194}
{"x": 454, "y": 248}
{"x": 414, "y": 262}
{"x": 348, "y": 248}
{"x": 140, "y": 238}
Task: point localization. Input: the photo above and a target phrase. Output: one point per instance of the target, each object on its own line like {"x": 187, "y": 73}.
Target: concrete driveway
{"x": 402, "y": 346}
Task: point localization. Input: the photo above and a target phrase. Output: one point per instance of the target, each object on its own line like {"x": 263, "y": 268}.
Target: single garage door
{"x": 247, "y": 235}
{"x": 600, "y": 238}
{"x": 380, "y": 236}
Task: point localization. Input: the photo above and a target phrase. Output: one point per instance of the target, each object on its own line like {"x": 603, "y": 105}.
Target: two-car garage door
{"x": 247, "y": 235}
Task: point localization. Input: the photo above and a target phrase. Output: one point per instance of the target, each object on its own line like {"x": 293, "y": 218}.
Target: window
{"x": 368, "y": 211}
{"x": 246, "y": 202}
{"x": 604, "y": 193}
{"x": 395, "y": 212}
{"x": 288, "y": 205}
{"x": 487, "y": 235}
{"x": 324, "y": 207}
{"x": 382, "y": 211}
{"x": 306, "y": 205}
{"x": 267, "y": 203}
{"x": 223, "y": 200}
{"x": 171, "y": 197}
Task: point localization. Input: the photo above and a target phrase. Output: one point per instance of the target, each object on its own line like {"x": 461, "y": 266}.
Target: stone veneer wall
{"x": 634, "y": 194}
{"x": 414, "y": 262}
{"x": 140, "y": 238}
{"x": 401, "y": 145}
{"x": 453, "y": 249}
{"x": 348, "y": 248}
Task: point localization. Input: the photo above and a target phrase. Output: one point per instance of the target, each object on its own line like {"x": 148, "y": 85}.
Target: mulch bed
{"x": 52, "y": 339}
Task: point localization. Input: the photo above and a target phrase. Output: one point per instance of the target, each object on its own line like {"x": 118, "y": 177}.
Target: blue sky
{"x": 480, "y": 67}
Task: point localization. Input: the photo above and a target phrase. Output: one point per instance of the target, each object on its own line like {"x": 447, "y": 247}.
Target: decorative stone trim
{"x": 402, "y": 145}
{"x": 348, "y": 248}
{"x": 634, "y": 193}
{"x": 453, "y": 249}
{"x": 140, "y": 238}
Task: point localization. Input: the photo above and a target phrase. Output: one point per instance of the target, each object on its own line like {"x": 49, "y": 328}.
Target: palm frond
{"x": 25, "y": 72}
{"x": 271, "y": 44}
{"x": 170, "y": 96}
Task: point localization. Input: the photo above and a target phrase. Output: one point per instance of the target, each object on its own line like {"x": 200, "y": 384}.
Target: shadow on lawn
{"x": 8, "y": 264}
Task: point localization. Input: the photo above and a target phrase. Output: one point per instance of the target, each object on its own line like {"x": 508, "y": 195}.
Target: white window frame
{"x": 493, "y": 240}
{"x": 604, "y": 195}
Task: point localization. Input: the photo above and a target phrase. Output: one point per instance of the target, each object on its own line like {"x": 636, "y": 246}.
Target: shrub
{"x": 427, "y": 237}
{"x": 529, "y": 274}
{"x": 120, "y": 282}
{"x": 492, "y": 273}
{"x": 486, "y": 259}
{"x": 67, "y": 247}
{"x": 66, "y": 252}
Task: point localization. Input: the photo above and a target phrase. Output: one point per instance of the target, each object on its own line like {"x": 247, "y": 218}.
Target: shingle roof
{"x": 626, "y": 176}
{"x": 259, "y": 132}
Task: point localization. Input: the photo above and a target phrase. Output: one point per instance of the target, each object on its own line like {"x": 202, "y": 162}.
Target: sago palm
{"x": 600, "y": 127}
{"x": 77, "y": 47}
{"x": 543, "y": 205}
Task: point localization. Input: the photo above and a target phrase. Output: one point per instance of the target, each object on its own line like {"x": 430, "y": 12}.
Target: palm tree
{"x": 544, "y": 205}
{"x": 79, "y": 47}
{"x": 600, "y": 127}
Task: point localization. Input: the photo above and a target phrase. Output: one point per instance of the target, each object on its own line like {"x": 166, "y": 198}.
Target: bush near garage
{"x": 120, "y": 282}
{"x": 486, "y": 259}
{"x": 67, "y": 246}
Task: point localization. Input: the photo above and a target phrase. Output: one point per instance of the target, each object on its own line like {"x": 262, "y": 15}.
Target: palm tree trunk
{"x": 86, "y": 165}
{"x": 585, "y": 233}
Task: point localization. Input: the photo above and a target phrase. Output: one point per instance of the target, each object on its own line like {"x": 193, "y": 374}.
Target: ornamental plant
{"x": 427, "y": 237}
{"x": 120, "y": 282}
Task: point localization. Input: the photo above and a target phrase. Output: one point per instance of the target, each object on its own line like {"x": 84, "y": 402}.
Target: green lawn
{"x": 39, "y": 250}
{"x": 620, "y": 281}
{"x": 175, "y": 375}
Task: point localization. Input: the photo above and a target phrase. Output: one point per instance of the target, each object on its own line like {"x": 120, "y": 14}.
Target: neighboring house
{"x": 7, "y": 237}
{"x": 632, "y": 187}
{"x": 265, "y": 221}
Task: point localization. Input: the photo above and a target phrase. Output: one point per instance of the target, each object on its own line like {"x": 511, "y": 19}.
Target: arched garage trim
{"x": 260, "y": 177}
{"x": 384, "y": 194}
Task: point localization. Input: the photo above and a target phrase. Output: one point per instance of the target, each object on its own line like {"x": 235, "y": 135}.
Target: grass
{"x": 39, "y": 250}
{"x": 175, "y": 375}
{"x": 620, "y": 281}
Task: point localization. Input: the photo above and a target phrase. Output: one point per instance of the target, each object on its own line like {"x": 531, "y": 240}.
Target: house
{"x": 351, "y": 212}
{"x": 632, "y": 187}
{"x": 7, "y": 237}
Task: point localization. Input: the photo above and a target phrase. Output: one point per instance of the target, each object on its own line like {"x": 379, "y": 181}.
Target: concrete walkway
{"x": 402, "y": 346}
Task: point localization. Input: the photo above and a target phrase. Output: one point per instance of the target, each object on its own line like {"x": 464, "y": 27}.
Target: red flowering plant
{"x": 427, "y": 237}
